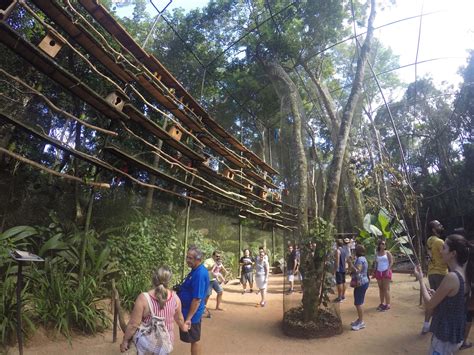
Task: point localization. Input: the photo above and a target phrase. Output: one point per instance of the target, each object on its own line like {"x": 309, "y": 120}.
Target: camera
{"x": 176, "y": 288}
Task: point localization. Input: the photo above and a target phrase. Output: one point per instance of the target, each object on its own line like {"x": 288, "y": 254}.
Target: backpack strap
{"x": 147, "y": 296}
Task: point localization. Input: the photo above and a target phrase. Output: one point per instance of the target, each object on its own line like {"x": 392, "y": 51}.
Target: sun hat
{"x": 347, "y": 240}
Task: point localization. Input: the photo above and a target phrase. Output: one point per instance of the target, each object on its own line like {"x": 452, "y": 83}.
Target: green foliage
{"x": 8, "y": 308}
{"x": 144, "y": 244}
{"x": 382, "y": 226}
{"x": 130, "y": 286}
{"x": 318, "y": 268}
{"x": 13, "y": 238}
{"x": 53, "y": 294}
{"x": 66, "y": 304}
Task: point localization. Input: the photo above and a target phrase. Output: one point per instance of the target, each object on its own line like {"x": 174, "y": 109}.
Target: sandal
{"x": 465, "y": 346}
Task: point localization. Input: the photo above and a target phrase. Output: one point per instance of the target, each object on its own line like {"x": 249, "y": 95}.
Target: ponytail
{"x": 161, "y": 294}
{"x": 161, "y": 278}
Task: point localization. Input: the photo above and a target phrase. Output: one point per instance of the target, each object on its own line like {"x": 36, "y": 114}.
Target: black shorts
{"x": 246, "y": 277}
{"x": 340, "y": 278}
{"x": 435, "y": 280}
{"x": 469, "y": 316}
{"x": 193, "y": 335}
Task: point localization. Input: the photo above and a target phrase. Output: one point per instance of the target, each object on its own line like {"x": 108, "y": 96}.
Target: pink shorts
{"x": 380, "y": 275}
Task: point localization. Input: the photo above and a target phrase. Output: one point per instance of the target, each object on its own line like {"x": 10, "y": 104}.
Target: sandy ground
{"x": 243, "y": 327}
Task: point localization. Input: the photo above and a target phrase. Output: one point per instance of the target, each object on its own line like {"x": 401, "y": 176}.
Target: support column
{"x": 186, "y": 234}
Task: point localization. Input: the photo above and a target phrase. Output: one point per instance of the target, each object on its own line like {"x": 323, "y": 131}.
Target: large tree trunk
{"x": 286, "y": 87}
{"x": 335, "y": 170}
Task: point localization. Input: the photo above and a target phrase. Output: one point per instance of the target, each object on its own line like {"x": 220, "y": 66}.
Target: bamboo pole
{"x": 186, "y": 235}
{"x": 54, "y": 172}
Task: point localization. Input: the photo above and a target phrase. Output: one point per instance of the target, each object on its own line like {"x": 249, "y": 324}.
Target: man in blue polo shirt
{"x": 193, "y": 294}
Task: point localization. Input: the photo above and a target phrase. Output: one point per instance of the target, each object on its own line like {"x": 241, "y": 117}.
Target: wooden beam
{"x": 144, "y": 166}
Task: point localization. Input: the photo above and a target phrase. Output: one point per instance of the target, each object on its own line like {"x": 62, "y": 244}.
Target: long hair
{"x": 464, "y": 253}
{"x": 160, "y": 279}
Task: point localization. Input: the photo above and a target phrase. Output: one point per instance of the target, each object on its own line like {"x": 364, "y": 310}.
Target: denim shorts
{"x": 359, "y": 294}
{"x": 214, "y": 285}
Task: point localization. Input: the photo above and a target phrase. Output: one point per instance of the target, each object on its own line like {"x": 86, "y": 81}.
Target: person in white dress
{"x": 261, "y": 275}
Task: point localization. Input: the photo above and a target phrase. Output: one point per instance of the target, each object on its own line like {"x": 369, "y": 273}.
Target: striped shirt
{"x": 167, "y": 312}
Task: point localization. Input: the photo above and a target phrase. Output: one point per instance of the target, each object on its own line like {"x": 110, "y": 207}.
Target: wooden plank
{"x": 154, "y": 128}
{"x": 260, "y": 179}
{"x": 54, "y": 11}
{"x": 56, "y": 143}
{"x": 45, "y": 64}
{"x": 114, "y": 28}
{"x": 214, "y": 174}
{"x": 144, "y": 166}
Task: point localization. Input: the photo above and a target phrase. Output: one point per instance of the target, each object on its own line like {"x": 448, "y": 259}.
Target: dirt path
{"x": 243, "y": 327}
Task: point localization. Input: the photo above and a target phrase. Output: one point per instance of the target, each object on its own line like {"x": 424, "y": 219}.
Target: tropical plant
{"x": 13, "y": 238}
{"x": 144, "y": 244}
{"x": 8, "y": 308}
{"x": 66, "y": 304}
{"x": 383, "y": 226}
{"x": 130, "y": 286}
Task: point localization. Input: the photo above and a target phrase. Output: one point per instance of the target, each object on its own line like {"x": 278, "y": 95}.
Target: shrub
{"x": 145, "y": 244}
{"x": 13, "y": 238}
{"x": 129, "y": 287}
{"x": 8, "y": 309}
{"x": 61, "y": 302}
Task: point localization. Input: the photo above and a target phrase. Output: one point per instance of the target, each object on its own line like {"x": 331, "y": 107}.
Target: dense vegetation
{"x": 269, "y": 72}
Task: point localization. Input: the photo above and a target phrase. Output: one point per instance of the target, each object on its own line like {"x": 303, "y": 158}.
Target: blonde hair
{"x": 160, "y": 279}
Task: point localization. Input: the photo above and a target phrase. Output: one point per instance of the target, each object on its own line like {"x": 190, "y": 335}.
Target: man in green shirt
{"x": 437, "y": 268}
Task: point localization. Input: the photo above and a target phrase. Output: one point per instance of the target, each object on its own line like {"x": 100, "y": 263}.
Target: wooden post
{"x": 115, "y": 310}
{"x": 82, "y": 262}
{"x": 19, "y": 286}
{"x": 240, "y": 242}
{"x": 273, "y": 244}
{"x": 186, "y": 234}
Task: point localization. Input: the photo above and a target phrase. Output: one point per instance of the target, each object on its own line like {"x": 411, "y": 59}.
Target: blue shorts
{"x": 359, "y": 294}
{"x": 214, "y": 285}
{"x": 340, "y": 278}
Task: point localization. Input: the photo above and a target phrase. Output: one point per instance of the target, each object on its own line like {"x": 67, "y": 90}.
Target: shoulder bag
{"x": 356, "y": 278}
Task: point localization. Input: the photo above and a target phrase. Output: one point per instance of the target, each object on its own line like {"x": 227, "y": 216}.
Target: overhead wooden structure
{"x": 131, "y": 76}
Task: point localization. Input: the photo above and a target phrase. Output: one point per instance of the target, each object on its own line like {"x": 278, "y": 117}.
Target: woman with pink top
{"x": 161, "y": 302}
{"x": 383, "y": 274}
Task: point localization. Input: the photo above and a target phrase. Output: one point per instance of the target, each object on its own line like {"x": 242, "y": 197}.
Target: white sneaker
{"x": 426, "y": 328}
{"x": 358, "y": 326}
{"x": 355, "y": 322}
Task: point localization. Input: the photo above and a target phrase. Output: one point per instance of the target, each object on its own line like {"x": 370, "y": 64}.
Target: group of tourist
{"x": 160, "y": 307}
{"x": 358, "y": 267}
{"x": 448, "y": 300}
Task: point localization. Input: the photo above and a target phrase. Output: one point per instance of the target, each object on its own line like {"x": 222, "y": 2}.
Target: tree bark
{"x": 285, "y": 86}
{"x": 335, "y": 170}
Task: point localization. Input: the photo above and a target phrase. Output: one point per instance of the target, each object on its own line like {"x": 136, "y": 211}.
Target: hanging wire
{"x": 152, "y": 29}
